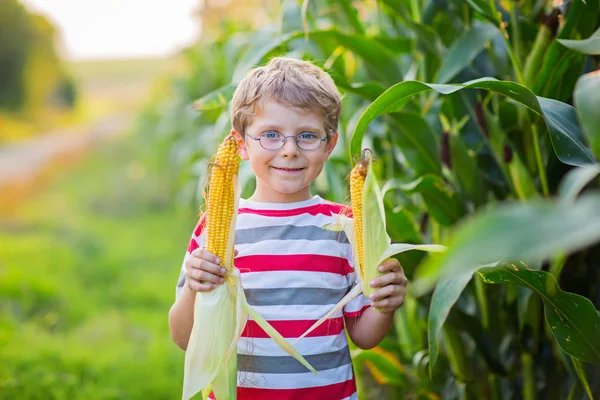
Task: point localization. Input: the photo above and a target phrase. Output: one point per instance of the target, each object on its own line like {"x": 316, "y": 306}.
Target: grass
{"x": 87, "y": 275}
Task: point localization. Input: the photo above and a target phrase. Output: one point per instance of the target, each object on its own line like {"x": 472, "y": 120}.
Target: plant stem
{"x": 528, "y": 378}
{"x": 457, "y": 357}
{"x": 414, "y": 10}
{"x": 495, "y": 392}
{"x": 513, "y": 59}
{"x": 557, "y": 266}
{"x": 538, "y": 157}
{"x": 516, "y": 34}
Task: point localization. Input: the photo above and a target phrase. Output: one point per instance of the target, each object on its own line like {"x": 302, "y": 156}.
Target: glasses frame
{"x": 283, "y": 141}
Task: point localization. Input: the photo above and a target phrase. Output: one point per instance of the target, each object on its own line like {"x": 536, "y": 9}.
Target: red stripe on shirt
{"x": 200, "y": 225}
{"x": 355, "y": 314}
{"x": 293, "y": 262}
{"x": 197, "y": 232}
{"x": 323, "y": 208}
{"x": 334, "y": 391}
{"x": 295, "y": 328}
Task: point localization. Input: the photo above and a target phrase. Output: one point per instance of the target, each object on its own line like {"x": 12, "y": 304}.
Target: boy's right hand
{"x": 203, "y": 272}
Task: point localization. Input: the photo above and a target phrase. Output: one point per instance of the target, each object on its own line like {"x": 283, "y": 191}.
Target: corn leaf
{"x": 276, "y": 336}
{"x": 590, "y": 45}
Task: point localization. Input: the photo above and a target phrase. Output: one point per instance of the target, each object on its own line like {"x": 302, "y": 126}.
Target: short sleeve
{"x": 360, "y": 303}
{"x": 197, "y": 240}
{"x": 357, "y": 305}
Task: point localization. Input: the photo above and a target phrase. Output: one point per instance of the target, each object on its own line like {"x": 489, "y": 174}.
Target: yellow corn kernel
{"x": 220, "y": 199}
{"x": 357, "y": 182}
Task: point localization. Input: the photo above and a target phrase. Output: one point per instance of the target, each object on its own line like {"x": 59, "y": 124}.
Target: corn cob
{"x": 357, "y": 183}
{"x": 220, "y": 198}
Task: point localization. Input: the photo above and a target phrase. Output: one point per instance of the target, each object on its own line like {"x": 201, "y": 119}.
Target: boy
{"x": 285, "y": 118}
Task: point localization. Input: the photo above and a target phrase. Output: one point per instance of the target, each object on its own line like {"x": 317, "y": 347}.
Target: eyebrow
{"x": 310, "y": 128}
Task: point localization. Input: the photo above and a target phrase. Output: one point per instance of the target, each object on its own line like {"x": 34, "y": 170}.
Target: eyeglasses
{"x": 274, "y": 140}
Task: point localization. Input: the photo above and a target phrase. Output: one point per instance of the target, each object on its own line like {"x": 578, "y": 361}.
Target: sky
{"x": 108, "y": 29}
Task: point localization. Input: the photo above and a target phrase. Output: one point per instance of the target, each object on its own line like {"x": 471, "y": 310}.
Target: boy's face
{"x": 284, "y": 175}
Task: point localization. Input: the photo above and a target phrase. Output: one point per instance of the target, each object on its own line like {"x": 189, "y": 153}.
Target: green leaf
{"x": 581, "y": 19}
{"x": 464, "y": 50}
{"x": 352, "y": 16}
{"x": 484, "y": 9}
{"x": 565, "y": 133}
{"x": 445, "y": 295}
{"x": 468, "y": 173}
{"x": 417, "y": 142}
{"x": 215, "y": 100}
{"x": 381, "y": 61}
{"x": 572, "y": 318}
{"x": 441, "y": 201}
{"x": 384, "y": 366}
{"x": 587, "y": 101}
{"x": 580, "y": 370}
{"x": 366, "y": 90}
{"x": 533, "y": 231}
{"x": 482, "y": 338}
{"x": 576, "y": 180}
{"x": 590, "y": 45}
{"x": 402, "y": 228}
{"x": 560, "y": 118}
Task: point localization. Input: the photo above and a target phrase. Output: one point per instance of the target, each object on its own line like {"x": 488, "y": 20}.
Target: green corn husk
{"x": 378, "y": 246}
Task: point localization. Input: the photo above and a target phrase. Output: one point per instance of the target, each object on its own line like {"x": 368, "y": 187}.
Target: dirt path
{"x": 27, "y": 165}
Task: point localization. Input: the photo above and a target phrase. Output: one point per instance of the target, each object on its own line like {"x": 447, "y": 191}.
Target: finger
{"x": 201, "y": 264}
{"x": 389, "y": 302}
{"x": 384, "y": 292}
{"x": 203, "y": 276}
{"x": 200, "y": 287}
{"x": 235, "y": 252}
{"x": 389, "y": 279}
{"x": 206, "y": 255}
{"x": 390, "y": 265}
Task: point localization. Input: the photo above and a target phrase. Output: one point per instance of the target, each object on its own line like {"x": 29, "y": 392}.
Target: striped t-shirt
{"x": 293, "y": 271}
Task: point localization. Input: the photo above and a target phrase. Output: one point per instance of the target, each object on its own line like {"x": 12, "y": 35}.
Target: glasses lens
{"x": 309, "y": 143}
{"x": 271, "y": 140}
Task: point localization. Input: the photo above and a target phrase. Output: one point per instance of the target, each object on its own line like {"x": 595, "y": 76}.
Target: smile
{"x": 289, "y": 170}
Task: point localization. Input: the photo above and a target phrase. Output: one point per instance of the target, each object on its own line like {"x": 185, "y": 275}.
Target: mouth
{"x": 288, "y": 169}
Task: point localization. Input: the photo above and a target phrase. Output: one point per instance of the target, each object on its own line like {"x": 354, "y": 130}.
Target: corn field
{"x": 484, "y": 118}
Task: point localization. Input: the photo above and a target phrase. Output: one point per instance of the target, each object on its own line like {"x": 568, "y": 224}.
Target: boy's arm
{"x": 181, "y": 317}
{"x": 369, "y": 329}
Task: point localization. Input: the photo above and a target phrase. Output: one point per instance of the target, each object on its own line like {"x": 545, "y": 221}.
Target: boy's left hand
{"x": 392, "y": 287}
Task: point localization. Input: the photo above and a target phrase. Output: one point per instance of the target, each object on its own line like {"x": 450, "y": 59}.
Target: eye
{"x": 271, "y": 135}
{"x": 307, "y": 136}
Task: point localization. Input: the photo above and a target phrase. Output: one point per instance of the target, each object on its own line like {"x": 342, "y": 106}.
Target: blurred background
{"x": 111, "y": 110}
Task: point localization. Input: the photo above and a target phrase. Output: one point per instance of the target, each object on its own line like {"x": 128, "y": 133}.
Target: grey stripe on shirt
{"x": 289, "y": 365}
{"x": 287, "y": 232}
{"x": 294, "y": 296}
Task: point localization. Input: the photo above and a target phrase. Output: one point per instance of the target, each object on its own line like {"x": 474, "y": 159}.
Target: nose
{"x": 290, "y": 148}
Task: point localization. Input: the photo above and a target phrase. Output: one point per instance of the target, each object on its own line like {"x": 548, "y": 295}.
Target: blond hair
{"x": 290, "y": 82}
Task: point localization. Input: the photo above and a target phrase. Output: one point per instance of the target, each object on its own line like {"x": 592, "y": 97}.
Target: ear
{"x": 242, "y": 150}
{"x": 331, "y": 145}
